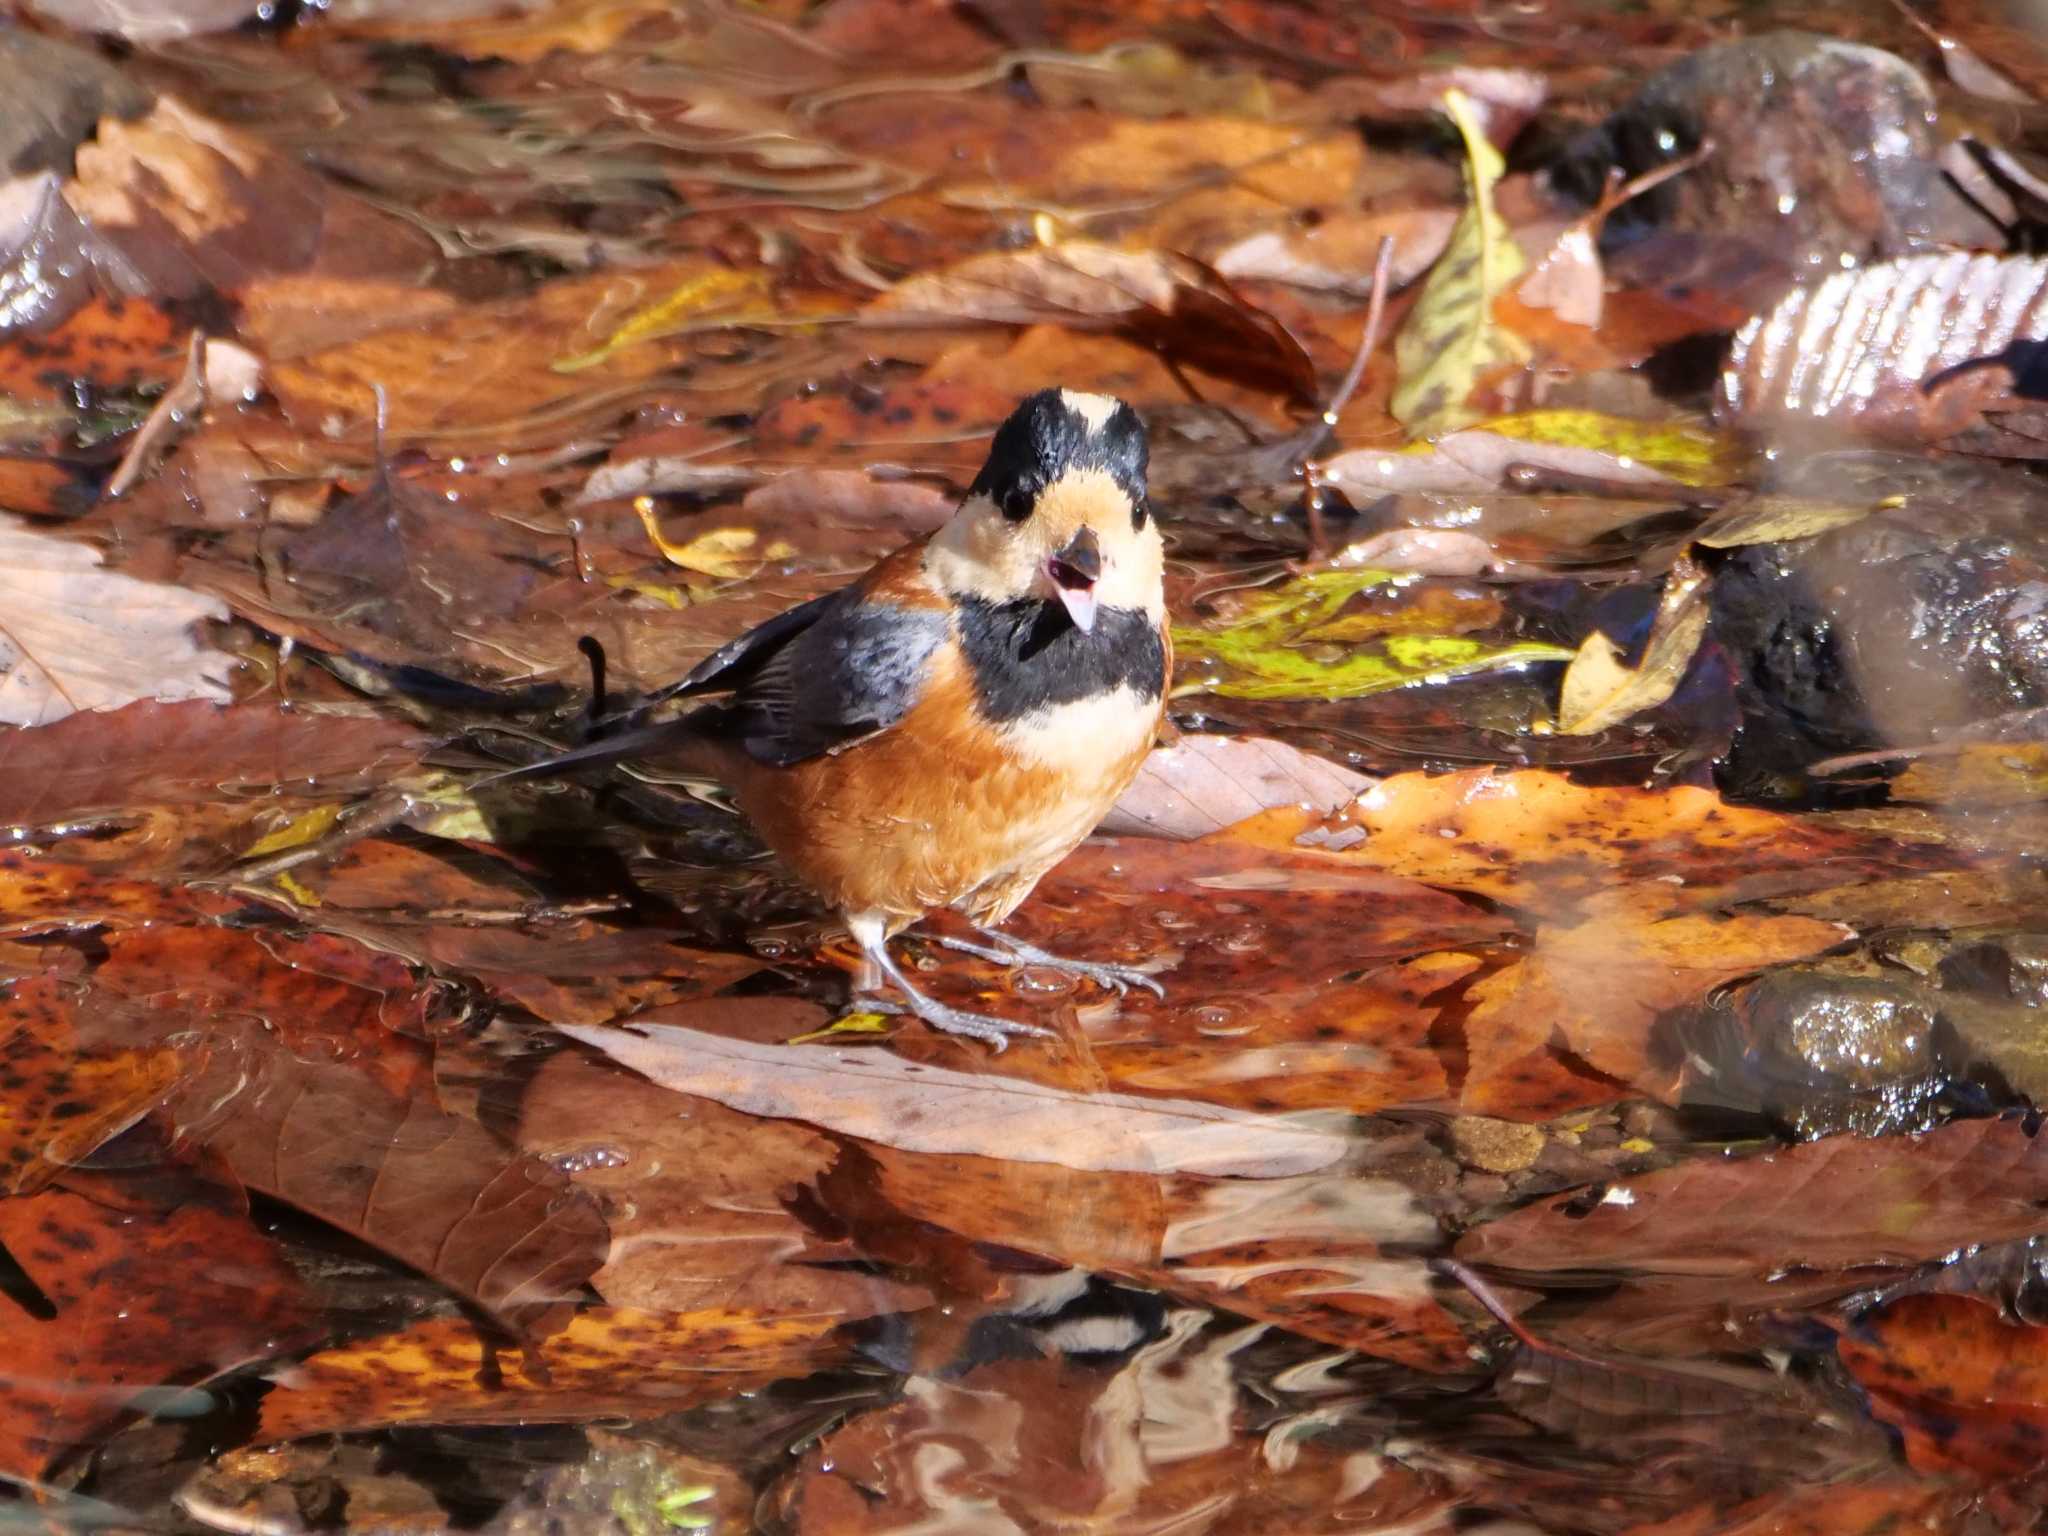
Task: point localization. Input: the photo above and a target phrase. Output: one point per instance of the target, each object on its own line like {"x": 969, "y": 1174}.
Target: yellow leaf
{"x": 1451, "y": 337}
{"x": 713, "y": 290}
{"x": 848, "y": 1024}
{"x": 1677, "y": 450}
{"x": 725, "y": 553}
{"x": 297, "y": 832}
{"x": 1599, "y": 691}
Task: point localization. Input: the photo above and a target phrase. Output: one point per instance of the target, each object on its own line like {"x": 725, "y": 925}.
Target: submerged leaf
{"x": 709, "y": 293}
{"x": 609, "y": 1362}
{"x": 1451, "y": 337}
{"x": 1599, "y": 691}
{"x": 1271, "y": 650}
{"x": 884, "y": 1098}
{"x": 1579, "y": 443}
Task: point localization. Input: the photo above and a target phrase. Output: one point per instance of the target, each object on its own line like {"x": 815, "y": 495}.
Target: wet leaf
{"x": 715, "y": 292}
{"x": 1450, "y": 338}
{"x": 190, "y": 753}
{"x": 698, "y": 1196}
{"x": 608, "y": 1362}
{"x": 1877, "y": 1508}
{"x": 1289, "y": 642}
{"x": 1203, "y": 784}
{"x": 1598, "y": 986}
{"x": 881, "y": 1097}
{"x": 116, "y": 1331}
{"x": 63, "y": 1101}
{"x": 430, "y": 1189}
{"x": 1839, "y": 1202}
{"x": 1855, "y": 350}
{"x": 75, "y": 636}
{"x": 1567, "y": 442}
{"x": 1169, "y": 302}
{"x": 1967, "y": 1389}
{"x": 1767, "y": 519}
{"x": 1600, "y": 691}
{"x": 1538, "y": 841}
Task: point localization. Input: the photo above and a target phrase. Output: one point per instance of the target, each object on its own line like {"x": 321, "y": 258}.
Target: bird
{"x": 945, "y": 729}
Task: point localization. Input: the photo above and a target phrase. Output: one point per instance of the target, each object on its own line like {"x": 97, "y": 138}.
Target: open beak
{"x": 1074, "y": 572}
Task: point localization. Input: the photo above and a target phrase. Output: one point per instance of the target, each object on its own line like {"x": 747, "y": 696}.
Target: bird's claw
{"x": 1007, "y": 951}
{"x": 985, "y": 1027}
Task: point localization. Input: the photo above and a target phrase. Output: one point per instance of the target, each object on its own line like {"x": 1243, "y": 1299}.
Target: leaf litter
{"x": 358, "y": 362}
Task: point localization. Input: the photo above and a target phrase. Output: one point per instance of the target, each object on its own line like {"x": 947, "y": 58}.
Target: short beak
{"x": 1074, "y": 572}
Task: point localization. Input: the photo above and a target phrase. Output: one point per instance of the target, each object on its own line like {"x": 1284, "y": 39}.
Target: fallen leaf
{"x": 431, "y": 1189}
{"x": 882, "y": 1097}
{"x": 715, "y": 292}
{"x": 1203, "y": 784}
{"x": 1884, "y": 1507}
{"x": 1537, "y": 841}
{"x": 117, "y": 1329}
{"x": 1280, "y": 645}
{"x": 1836, "y": 1203}
{"x": 64, "y": 1100}
{"x": 1768, "y": 519}
{"x": 1568, "y": 442}
{"x": 1170, "y": 302}
{"x": 608, "y": 1362}
{"x": 1600, "y": 692}
{"x": 1337, "y": 254}
{"x": 74, "y": 636}
{"x": 192, "y": 753}
{"x": 1450, "y": 337}
{"x": 1966, "y": 1389}
{"x": 1855, "y": 350}
{"x": 699, "y": 1197}
{"x": 1598, "y": 986}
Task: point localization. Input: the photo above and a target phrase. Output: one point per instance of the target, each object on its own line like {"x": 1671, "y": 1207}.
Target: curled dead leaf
{"x": 1599, "y": 691}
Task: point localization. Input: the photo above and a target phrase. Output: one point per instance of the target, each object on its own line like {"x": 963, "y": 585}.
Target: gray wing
{"x": 853, "y": 669}
{"x": 817, "y": 678}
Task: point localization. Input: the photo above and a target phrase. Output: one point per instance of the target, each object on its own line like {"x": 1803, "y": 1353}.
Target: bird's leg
{"x": 1005, "y": 950}
{"x": 868, "y": 932}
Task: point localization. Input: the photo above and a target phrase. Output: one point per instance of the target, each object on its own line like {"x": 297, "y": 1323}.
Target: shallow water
{"x": 1466, "y": 1179}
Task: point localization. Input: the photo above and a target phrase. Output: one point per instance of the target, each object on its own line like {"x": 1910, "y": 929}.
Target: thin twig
{"x": 1326, "y": 423}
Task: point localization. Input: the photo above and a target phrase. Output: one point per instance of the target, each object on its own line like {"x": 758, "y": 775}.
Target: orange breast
{"x": 940, "y": 811}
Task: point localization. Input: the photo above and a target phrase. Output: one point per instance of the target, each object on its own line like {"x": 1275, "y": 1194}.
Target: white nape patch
{"x": 1093, "y": 409}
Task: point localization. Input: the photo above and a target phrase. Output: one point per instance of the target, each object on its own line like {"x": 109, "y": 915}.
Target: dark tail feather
{"x": 647, "y": 741}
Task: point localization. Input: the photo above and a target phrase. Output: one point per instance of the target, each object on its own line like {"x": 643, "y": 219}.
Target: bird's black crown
{"x": 1045, "y": 438}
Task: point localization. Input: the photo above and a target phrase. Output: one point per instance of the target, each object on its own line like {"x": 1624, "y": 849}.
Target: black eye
{"x": 1140, "y": 510}
{"x": 1017, "y": 503}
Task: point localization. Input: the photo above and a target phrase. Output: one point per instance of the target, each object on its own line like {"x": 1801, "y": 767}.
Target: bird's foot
{"x": 1005, "y": 950}
{"x": 985, "y": 1027}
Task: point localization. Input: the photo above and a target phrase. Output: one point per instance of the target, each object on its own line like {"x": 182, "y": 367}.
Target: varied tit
{"x": 946, "y": 729}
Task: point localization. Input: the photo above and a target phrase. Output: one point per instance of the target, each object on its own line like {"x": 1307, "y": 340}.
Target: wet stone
{"x": 1495, "y": 1146}
{"x": 1909, "y": 625}
{"x": 1823, "y": 149}
{"x": 1823, "y": 1053}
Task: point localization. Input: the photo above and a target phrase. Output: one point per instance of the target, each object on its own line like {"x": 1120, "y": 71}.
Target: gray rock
{"x": 1822, "y": 150}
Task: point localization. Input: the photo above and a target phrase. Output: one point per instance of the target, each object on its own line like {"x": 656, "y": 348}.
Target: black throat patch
{"x": 1028, "y": 655}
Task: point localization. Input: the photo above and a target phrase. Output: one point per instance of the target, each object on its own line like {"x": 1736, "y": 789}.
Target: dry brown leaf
{"x": 76, "y": 636}
{"x": 882, "y": 1097}
{"x": 1203, "y": 784}
{"x": 1337, "y": 254}
{"x": 1599, "y": 691}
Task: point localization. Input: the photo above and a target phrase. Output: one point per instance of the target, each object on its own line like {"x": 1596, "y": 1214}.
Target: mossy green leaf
{"x": 1290, "y": 643}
